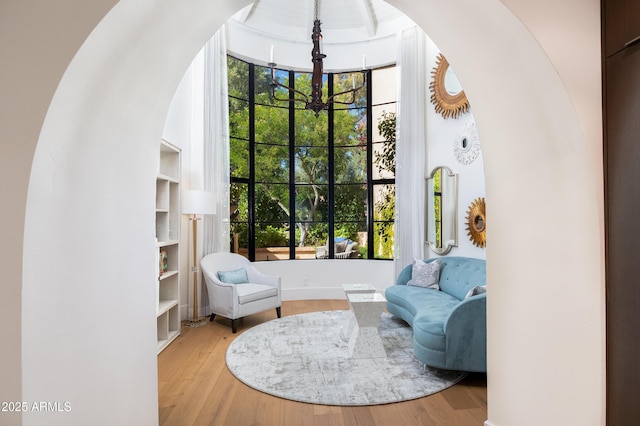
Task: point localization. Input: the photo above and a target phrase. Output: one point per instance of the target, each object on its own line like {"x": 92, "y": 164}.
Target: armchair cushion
{"x": 251, "y": 292}
{"x": 237, "y": 276}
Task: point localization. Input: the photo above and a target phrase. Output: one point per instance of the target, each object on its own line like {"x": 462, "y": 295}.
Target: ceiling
{"x": 364, "y": 27}
{"x": 343, "y": 21}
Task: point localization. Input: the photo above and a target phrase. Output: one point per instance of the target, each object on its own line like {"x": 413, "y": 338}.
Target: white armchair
{"x": 259, "y": 293}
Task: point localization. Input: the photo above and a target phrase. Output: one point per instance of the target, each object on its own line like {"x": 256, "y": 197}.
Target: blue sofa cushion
{"x": 459, "y": 275}
{"x": 430, "y": 333}
{"x": 435, "y": 305}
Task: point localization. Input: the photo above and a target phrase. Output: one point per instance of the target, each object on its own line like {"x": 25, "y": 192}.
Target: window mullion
{"x": 330, "y": 170}
{"x": 292, "y": 169}
{"x": 252, "y": 164}
{"x": 370, "y": 206}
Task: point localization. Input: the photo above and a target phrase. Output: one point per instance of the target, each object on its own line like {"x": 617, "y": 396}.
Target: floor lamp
{"x": 196, "y": 203}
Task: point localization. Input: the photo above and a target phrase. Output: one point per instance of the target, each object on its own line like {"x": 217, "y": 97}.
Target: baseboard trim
{"x": 313, "y": 293}
{"x": 488, "y": 423}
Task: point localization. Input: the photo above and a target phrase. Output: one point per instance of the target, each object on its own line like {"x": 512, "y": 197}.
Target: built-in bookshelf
{"x": 168, "y": 244}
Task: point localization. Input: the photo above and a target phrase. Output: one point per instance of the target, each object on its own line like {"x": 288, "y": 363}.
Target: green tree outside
{"x": 310, "y": 164}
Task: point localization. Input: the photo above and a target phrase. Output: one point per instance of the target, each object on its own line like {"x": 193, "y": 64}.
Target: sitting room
{"x": 386, "y": 171}
{"x": 302, "y": 175}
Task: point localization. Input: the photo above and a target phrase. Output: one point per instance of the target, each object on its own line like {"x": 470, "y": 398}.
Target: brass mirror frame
{"x": 477, "y": 223}
{"x": 446, "y": 104}
{"x": 453, "y": 241}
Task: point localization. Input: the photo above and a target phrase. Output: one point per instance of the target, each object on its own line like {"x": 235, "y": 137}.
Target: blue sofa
{"x": 449, "y": 329}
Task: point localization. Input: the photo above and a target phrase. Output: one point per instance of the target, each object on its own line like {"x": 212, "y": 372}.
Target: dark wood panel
{"x": 621, "y": 23}
{"x": 622, "y": 152}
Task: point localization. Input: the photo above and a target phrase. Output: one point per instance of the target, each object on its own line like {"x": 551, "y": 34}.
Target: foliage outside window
{"x": 385, "y": 160}
{"x": 437, "y": 205}
{"x": 297, "y": 180}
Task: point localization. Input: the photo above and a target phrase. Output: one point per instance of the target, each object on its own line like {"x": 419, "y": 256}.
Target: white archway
{"x": 89, "y": 224}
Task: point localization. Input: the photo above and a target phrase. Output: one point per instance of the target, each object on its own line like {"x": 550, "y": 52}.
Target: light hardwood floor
{"x": 195, "y": 387}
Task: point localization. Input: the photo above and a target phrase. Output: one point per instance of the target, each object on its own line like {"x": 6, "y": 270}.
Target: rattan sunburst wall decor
{"x": 447, "y": 104}
{"x": 477, "y": 223}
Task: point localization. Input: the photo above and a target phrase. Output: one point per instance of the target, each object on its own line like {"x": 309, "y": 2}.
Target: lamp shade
{"x": 198, "y": 202}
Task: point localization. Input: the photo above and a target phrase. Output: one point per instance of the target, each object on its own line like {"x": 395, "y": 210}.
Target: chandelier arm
{"x": 331, "y": 99}
{"x": 304, "y": 98}
{"x": 289, "y": 99}
{"x": 352, "y": 91}
{"x": 275, "y": 83}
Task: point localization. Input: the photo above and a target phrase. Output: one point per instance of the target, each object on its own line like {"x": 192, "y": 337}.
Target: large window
{"x": 299, "y": 181}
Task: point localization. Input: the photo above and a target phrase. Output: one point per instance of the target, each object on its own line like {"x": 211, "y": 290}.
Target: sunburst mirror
{"x": 477, "y": 223}
{"x": 446, "y": 93}
{"x": 466, "y": 146}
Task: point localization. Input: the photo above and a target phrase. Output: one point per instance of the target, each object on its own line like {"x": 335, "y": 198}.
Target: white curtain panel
{"x": 410, "y": 148}
{"x": 216, "y": 142}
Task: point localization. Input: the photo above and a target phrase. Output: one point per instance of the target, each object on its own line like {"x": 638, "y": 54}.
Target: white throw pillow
{"x": 425, "y": 274}
{"x": 479, "y": 289}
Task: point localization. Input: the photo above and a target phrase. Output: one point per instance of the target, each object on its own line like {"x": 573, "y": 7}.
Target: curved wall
{"x": 253, "y": 46}
{"x": 92, "y": 176}
{"x": 323, "y": 279}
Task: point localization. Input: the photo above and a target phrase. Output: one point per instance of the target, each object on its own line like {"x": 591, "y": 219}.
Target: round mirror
{"x": 466, "y": 145}
{"x": 446, "y": 92}
{"x": 451, "y": 83}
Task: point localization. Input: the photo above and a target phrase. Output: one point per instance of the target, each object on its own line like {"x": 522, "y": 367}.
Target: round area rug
{"x": 306, "y": 358}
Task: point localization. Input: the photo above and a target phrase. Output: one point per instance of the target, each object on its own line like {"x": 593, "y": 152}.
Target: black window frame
{"x": 251, "y": 183}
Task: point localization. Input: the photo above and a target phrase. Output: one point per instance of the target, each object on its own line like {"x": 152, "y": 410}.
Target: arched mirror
{"x": 446, "y": 92}
{"x": 442, "y": 210}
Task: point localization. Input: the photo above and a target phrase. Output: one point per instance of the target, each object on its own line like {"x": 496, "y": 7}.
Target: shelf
{"x": 165, "y": 305}
{"x": 163, "y": 343}
{"x": 167, "y": 243}
{"x": 168, "y": 222}
{"x": 167, "y": 178}
{"x": 168, "y": 274}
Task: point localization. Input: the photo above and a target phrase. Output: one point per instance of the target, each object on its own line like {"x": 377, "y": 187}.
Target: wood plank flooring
{"x": 195, "y": 387}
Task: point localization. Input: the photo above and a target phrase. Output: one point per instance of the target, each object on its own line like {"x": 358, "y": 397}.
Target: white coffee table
{"x": 365, "y": 341}
{"x": 358, "y": 288}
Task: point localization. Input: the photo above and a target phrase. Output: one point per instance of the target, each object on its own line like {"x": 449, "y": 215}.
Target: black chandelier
{"x": 314, "y": 100}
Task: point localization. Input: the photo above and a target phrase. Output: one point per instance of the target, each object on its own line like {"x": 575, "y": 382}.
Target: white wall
{"x": 36, "y": 45}
{"x": 441, "y": 134}
{"x": 323, "y": 279}
{"x": 183, "y": 127}
{"x": 95, "y": 250}
{"x": 75, "y": 328}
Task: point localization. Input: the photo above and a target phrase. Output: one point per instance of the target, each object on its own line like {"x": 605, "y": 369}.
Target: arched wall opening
{"x": 89, "y": 234}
